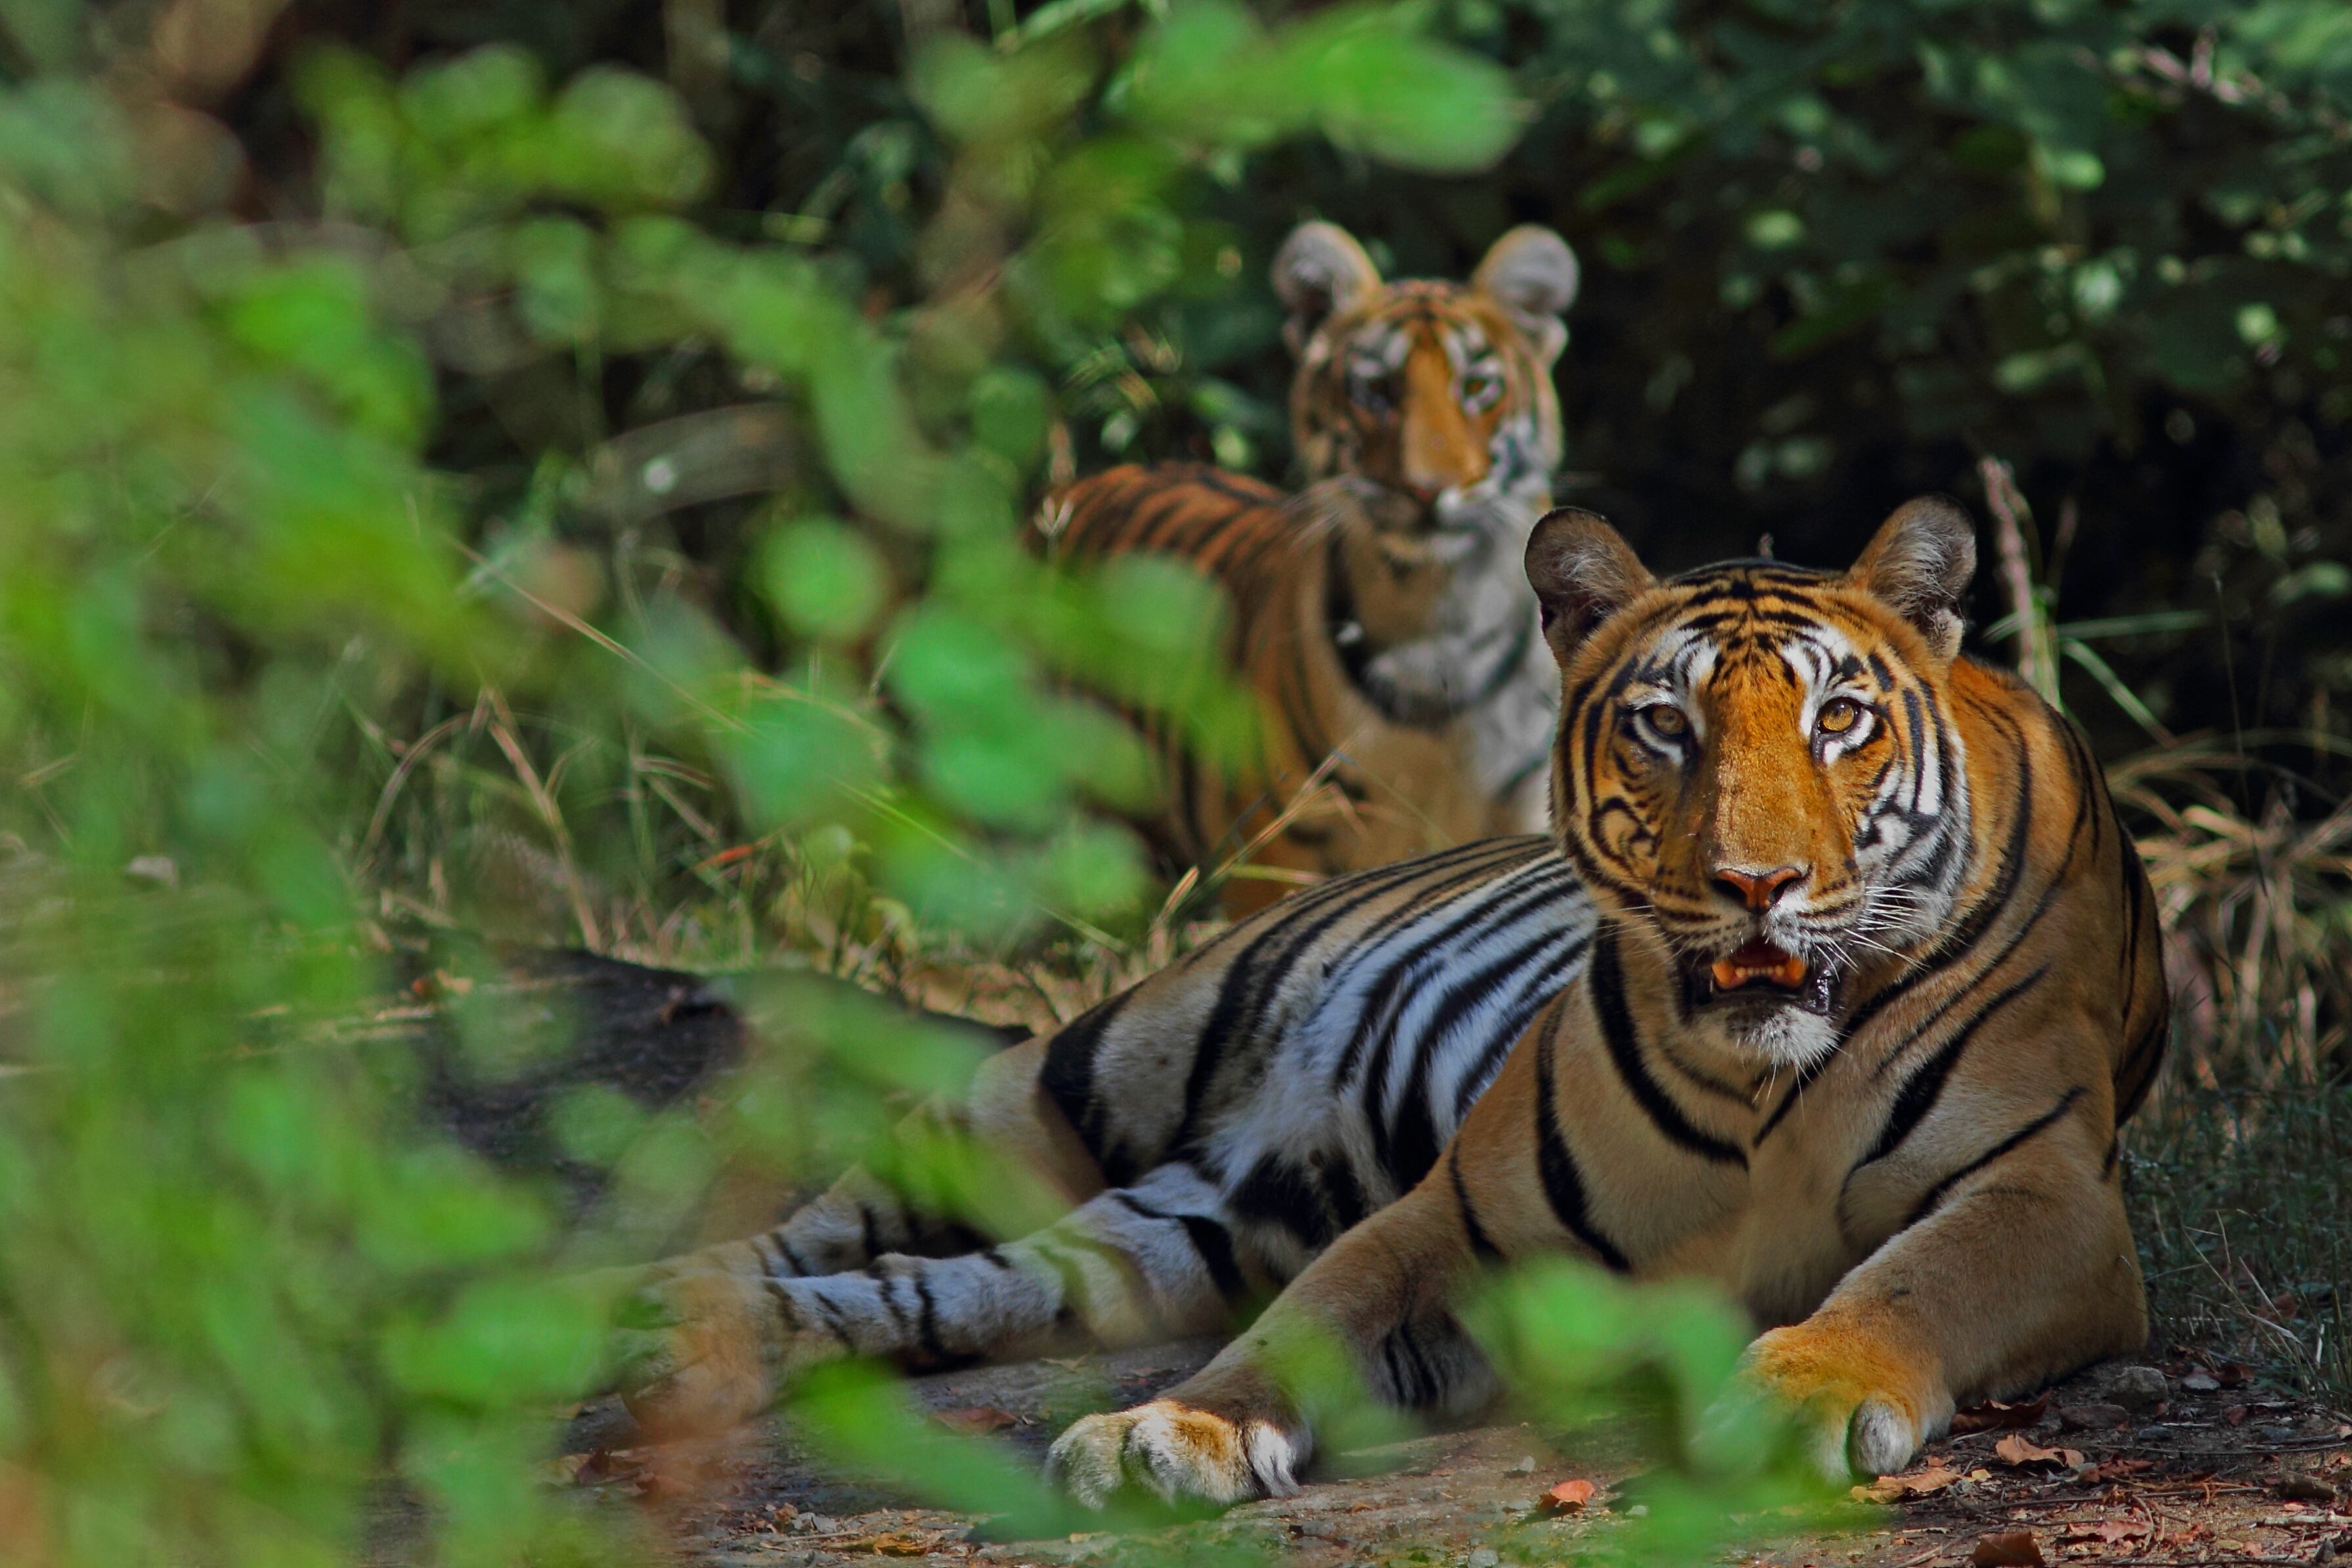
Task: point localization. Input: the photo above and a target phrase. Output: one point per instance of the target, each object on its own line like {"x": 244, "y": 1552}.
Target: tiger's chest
{"x": 1690, "y": 1173}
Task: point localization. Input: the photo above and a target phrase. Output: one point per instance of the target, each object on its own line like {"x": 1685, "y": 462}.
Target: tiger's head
{"x": 1431, "y": 399}
{"x": 1425, "y": 419}
{"x": 1757, "y": 761}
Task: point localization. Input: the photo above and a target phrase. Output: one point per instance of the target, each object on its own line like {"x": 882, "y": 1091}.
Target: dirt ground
{"x": 2172, "y": 1460}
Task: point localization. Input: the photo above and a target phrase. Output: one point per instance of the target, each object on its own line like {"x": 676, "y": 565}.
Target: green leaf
{"x": 823, "y": 579}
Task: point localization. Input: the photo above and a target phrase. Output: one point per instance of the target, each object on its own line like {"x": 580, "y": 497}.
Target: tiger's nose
{"x": 1758, "y": 890}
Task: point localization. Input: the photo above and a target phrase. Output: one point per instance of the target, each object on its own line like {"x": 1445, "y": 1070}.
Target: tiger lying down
{"x": 1830, "y": 986}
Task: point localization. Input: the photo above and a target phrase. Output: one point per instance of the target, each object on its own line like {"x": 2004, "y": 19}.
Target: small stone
{"x": 2094, "y": 1417}
{"x": 2299, "y": 1487}
{"x": 1525, "y": 1465}
{"x": 1639, "y": 1511}
{"x": 2276, "y": 1434}
{"x": 1519, "y": 1505}
{"x": 1485, "y": 1557}
{"x": 2138, "y": 1389}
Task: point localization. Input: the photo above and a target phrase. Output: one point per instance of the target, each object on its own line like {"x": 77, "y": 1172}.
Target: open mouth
{"x": 1759, "y": 973}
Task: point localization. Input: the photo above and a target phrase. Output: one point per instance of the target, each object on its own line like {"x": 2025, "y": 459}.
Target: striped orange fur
{"x": 1381, "y": 618}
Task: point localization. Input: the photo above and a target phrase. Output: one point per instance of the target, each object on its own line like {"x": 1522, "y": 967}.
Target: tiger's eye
{"x": 1666, "y": 719}
{"x": 1838, "y": 715}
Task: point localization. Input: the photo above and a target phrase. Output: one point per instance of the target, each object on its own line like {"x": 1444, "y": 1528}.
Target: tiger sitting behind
{"x": 1831, "y": 988}
{"x": 1381, "y": 617}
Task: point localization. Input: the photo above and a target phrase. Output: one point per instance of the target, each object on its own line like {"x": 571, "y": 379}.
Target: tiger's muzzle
{"x": 1760, "y": 975}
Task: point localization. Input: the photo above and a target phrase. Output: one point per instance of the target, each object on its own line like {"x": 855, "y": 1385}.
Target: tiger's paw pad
{"x": 697, "y": 1353}
{"x": 1177, "y": 1454}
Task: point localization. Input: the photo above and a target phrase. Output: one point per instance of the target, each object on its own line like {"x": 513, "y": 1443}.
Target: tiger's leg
{"x": 1233, "y": 1430}
{"x": 698, "y": 1333}
{"x": 2021, "y": 1272}
{"x": 1147, "y": 1261}
{"x": 1006, "y": 1122}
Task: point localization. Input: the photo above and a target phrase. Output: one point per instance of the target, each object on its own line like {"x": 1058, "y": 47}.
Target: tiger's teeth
{"x": 1786, "y": 972}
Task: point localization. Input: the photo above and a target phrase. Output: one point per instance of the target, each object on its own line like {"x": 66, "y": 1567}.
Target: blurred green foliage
{"x": 560, "y": 467}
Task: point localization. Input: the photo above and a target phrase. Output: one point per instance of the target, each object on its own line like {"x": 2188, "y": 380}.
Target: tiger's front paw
{"x": 698, "y": 1352}
{"x": 1862, "y": 1409}
{"x": 1178, "y": 1453}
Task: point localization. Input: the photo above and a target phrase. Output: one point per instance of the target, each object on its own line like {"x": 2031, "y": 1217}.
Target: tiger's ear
{"x": 1532, "y": 274}
{"x": 1919, "y": 564}
{"x": 1320, "y": 268}
{"x": 1583, "y": 572}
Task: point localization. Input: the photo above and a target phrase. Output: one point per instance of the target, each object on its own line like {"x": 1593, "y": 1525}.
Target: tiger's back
{"x": 1333, "y": 782}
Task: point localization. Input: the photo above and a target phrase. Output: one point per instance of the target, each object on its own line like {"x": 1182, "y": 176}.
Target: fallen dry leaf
{"x": 2235, "y": 1416}
{"x": 1570, "y": 1496}
{"x": 975, "y": 1420}
{"x": 2111, "y": 1530}
{"x": 893, "y": 1543}
{"x": 1917, "y": 1483}
{"x": 2014, "y": 1449}
{"x": 1994, "y": 1416}
{"x": 2117, "y": 1469}
{"x": 2014, "y": 1549}
{"x": 563, "y": 1470}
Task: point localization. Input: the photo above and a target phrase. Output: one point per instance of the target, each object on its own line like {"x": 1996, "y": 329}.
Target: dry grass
{"x": 2257, "y": 911}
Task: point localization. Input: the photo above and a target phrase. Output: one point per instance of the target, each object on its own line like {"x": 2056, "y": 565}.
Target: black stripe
{"x": 1215, "y": 1246}
{"x": 927, "y": 1322}
{"x": 1342, "y": 1193}
{"x": 2140, "y": 1062}
{"x": 786, "y": 1309}
{"x": 1936, "y": 1193}
{"x": 1563, "y": 1187}
{"x": 1606, "y": 980}
{"x": 1067, "y": 1077}
{"x": 1407, "y": 1148}
{"x": 1922, "y": 1089}
{"x": 1426, "y": 1384}
{"x": 833, "y": 1323}
{"x": 1971, "y": 930}
{"x": 1543, "y": 981}
{"x": 1255, "y": 976}
{"x": 1276, "y": 1192}
{"x": 799, "y": 1265}
{"x": 1804, "y": 1076}
{"x": 1482, "y": 1247}
{"x": 1387, "y": 998}
{"x": 882, "y": 1283}
{"x": 1209, "y": 1238}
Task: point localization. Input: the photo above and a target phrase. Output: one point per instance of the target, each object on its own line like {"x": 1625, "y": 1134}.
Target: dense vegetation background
{"x": 557, "y": 470}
